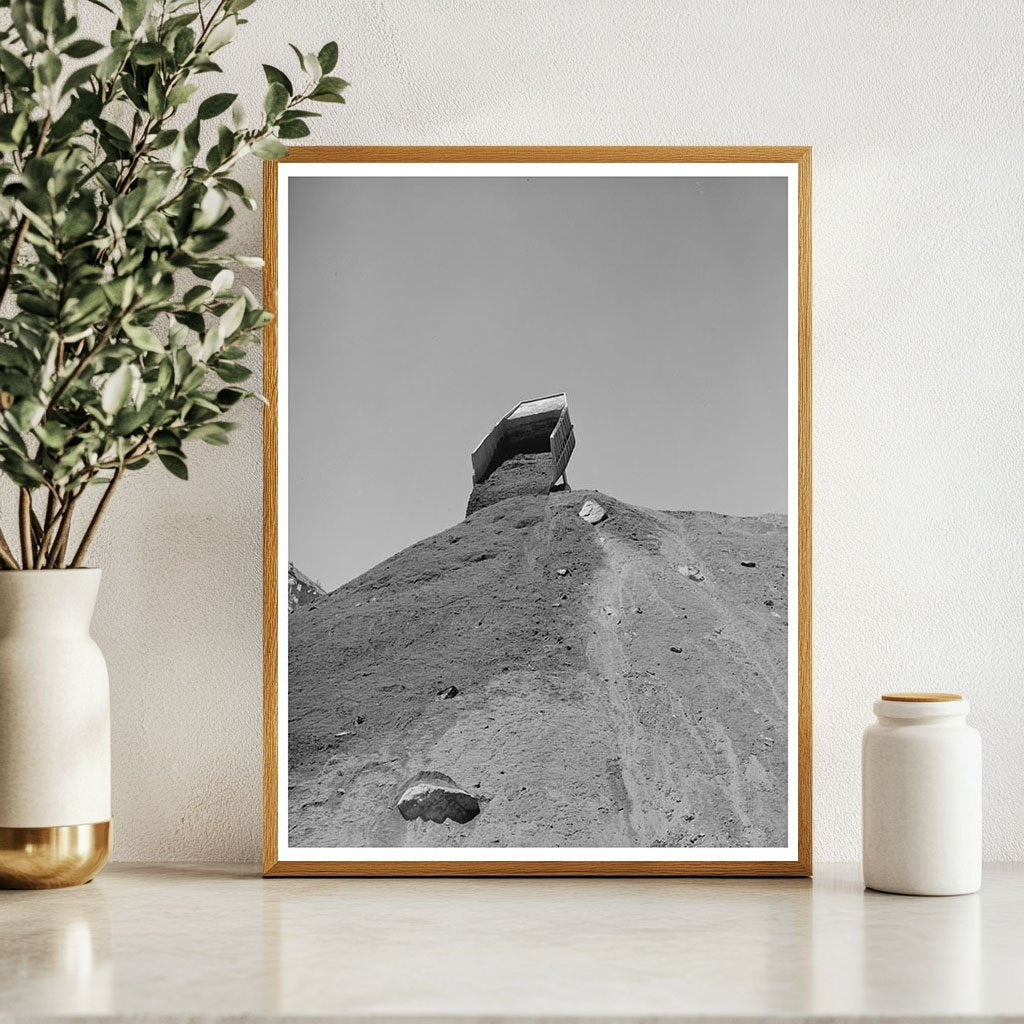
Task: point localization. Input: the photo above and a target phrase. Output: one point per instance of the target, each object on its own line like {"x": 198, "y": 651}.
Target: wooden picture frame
{"x": 799, "y": 862}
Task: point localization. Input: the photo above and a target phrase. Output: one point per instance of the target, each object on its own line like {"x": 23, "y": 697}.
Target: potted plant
{"x": 122, "y": 342}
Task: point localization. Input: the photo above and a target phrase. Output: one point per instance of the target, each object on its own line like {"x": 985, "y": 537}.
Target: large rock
{"x": 302, "y": 590}
{"x": 592, "y": 512}
{"x": 434, "y": 796}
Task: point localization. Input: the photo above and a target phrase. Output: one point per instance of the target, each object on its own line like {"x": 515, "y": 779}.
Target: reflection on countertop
{"x": 177, "y": 941}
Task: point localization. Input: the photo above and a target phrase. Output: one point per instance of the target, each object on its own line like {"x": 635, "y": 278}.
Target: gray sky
{"x": 422, "y": 309}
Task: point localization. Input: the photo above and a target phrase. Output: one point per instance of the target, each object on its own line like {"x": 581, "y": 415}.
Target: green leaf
{"x": 162, "y": 139}
{"x": 120, "y": 291}
{"x": 174, "y": 464}
{"x": 53, "y": 435}
{"x": 116, "y": 134}
{"x": 293, "y": 130}
{"x": 156, "y": 99}
{"x": 227, "y": 397}
{"x": 324, "y": 96}
{"x": 149, "y": 53}
{"x": 10, "y": 355}
{"x": 232, "y": 373}
{"x": 21, "y": 471}
{"x": 221, "y": 35}
{"x": 181, "y": 94}
{"x": 49, "y": 68}
{"x": 78, "y": 222}
{"x": 211, "y": 433}
{"x": 222, "y": 281}
{"x": 211, "y": 208}
{"x": 143, "y": 338}
{"x": 184, "y": 44}
{"x": 26, "y": 413}
{"x": 200, "y": 406}
{"x": 16, "y": 70}
{"x": 129, "y": 207}
{"x": 164, "y": 376}
{"x": 328, "y": 57}
{"x": 269, "y": 149}
{"x": 67, "y": 26}
{"x": 193, "y": 321}
{"x": 276, "y": 99}
{"x": 216, "y": 104}
{"x": 82, "y": 48}
{"x": 54, "y": 15}
{"x": 116, "y": 390}
{"x": 16, "y": 383}
{"x": 167, "y": 441}
{"x": 185, "y": 147}
{"x": 196, "y": 296}
{"x": 193, "y": 379}
{"x": 36, "y": 304}
{"x": 232, "y": 319}
{"x": 86, "y": 309}
{"x": 24, "y": 16}
{"x": 11, "y": 442}
{"x": 109, "y": 65}
{"x": 310, "y": 64}
{"x": 128, "y": 421}
{"x": 334, "y": 84}
{"x": 133, "y": 13}
{"x": 211, "y": 343}
{"x": 276, "y": 76}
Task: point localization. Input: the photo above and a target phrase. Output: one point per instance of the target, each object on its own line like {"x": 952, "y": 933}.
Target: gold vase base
{"x": 53, "y": 857}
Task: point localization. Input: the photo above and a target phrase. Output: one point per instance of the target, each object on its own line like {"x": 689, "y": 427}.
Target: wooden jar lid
{"x": 921, "y": 698}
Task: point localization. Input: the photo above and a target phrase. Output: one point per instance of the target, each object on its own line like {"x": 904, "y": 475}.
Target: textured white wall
{"x": 914, "y": 113}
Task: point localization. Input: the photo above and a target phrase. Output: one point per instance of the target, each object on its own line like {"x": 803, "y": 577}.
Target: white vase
{"x": 921, "y": 774}
{"x": 54, "y": 731}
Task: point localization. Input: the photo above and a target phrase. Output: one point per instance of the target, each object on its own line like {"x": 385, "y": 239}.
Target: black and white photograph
{"x": 537, "y": 485}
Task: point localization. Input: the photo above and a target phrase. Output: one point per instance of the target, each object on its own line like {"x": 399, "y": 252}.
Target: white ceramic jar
{"x": 921, "y": 777}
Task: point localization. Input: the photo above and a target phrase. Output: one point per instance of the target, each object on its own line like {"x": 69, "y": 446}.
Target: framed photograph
{"x": 538, "y": 511}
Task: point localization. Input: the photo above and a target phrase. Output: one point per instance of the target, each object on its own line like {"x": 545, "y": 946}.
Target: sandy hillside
{"x": 575, "y": 722}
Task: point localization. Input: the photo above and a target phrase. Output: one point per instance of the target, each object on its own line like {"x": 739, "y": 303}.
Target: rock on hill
{"x": 301, "y": 589}
{"x": 619, "y": 685}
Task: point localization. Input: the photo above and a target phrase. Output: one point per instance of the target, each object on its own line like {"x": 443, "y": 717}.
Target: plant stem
{"x": 25, "y": 522}
{"x": 51, "y": 509}
{"x": 60, "y": 542}
{"x": 37, "y": 530}
{"x": 51, "y": 522}
{"x": 94, "y": 523}
{"x": 6, "y": 555}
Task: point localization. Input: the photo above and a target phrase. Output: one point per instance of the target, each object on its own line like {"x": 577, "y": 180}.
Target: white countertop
{"x": 178, "y": 941}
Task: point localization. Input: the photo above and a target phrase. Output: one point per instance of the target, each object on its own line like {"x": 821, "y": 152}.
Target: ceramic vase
{"x": 54, "y": 731}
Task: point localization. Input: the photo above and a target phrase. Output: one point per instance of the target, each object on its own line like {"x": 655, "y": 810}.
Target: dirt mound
{"x": 519, "y": 476}
{"x": 603, "y": 698}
